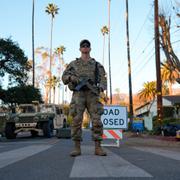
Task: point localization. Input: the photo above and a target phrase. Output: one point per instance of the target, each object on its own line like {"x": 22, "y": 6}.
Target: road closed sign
{"x": 114, "y": 117}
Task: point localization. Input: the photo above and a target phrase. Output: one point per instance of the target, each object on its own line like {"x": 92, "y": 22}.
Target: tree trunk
{"x": 50, "y": 61}
{"x": 33, "y": 58}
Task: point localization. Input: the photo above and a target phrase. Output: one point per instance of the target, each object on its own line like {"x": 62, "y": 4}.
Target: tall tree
{"x": 33, "y": 58}
{"x": 59, "y": 51}
{"x": 104, "y": 31}
{"x": 109, "y": 49}
{"x": 13, "y": 62}
{"x": 165, "y": 41}
{"x": 53, "y": 82}
{"x": 21, "y": 94}
{"x": 149, "y": 92}
{"x": 52, "y": 10}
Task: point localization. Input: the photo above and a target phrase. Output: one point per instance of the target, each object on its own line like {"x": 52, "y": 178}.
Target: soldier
{"x": 86, "y": 78}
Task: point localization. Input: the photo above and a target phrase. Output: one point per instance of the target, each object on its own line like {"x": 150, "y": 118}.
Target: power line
{"x": 139, "y": 32}
{"x": 175, "y": 31}
{"x": 146, "y": 62}
{"x": 141, "y": 28}
{"x": 175, "y": 42}
{"x": 142, "y": 52}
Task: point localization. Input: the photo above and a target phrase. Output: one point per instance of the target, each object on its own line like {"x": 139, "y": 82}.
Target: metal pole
{"x": 157, "y": 58}
{"x": 129, "y": 67}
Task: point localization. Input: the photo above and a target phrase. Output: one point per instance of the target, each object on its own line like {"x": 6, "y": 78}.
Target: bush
{"x": 166, "y": 121}
{"x": 69, "y": 120}
{"x": 168, "y": 111}
{"x": 85, "y": 124}
{"x": 66, "y": 109}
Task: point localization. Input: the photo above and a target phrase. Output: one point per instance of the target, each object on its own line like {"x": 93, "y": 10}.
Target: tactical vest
{"x": 91, "y": 68}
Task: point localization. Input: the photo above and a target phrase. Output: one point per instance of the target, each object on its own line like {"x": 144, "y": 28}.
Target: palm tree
{"x": 43, "y": 52}
{"x": 59, "y": 88}
{"x": 47, "y": 87}
{"x": 148, "y": 92}
{"x": 33, "y": 58}
{"x": 59, "y": 51}
{"x": 104, "y": 31}
{"x": 52, "y": 10}
{"x": 109, "y": 51}
{"x": 52, "y": 83}
{"x": 169, "y": 75}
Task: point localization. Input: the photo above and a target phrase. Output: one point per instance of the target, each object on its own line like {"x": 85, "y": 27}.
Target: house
{"x": 149, "y": 109}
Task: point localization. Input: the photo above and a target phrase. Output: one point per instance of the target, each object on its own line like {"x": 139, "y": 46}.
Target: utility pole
{"x": 109, "y": 49}
{"x": 157, "y": 58}
{"x": 129, "y": 67}
{"x": 33, "y": 58}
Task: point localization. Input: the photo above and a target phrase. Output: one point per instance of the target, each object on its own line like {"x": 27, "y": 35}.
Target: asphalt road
{"x": 48, "y": 159}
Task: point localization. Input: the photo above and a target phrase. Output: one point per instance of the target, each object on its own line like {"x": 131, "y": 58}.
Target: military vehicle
{"x": 55, "y": 115}
{"x": 34, "y": 118}
{"x": 2, "y": 123}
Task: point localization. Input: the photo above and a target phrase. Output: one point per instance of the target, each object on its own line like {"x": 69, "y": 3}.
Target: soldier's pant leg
{"x": 95, "y": 109}
{"x": 77, "y": 108}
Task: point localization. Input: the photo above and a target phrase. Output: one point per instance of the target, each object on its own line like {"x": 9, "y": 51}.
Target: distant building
{"x": 149, "y": 109}
{"x": 176, "y": 91}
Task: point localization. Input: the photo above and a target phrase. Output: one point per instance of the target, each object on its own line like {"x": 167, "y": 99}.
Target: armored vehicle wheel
{"x": 47, "y": 129}
{"x": 9, "y": 131}
{"x": 34, "y": 133}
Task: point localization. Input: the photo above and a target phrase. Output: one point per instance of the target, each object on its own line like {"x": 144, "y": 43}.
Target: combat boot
{"x": 77, "y": 149}
{"x": 98, "y": 149}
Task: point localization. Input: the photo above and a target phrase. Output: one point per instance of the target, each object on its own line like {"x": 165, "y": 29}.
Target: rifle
{"x": 89, "y": 84}
{"x": 81, "y": 84}
{"x": 84, "y": 81}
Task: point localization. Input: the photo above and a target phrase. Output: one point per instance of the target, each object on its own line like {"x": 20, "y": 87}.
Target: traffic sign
{"x": 114, "y": 117}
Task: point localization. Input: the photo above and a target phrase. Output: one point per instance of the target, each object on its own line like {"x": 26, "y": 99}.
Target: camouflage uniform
{"x": 86, "y": 98}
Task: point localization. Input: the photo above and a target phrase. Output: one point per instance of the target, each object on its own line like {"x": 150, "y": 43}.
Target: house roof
{"x": 142, "y": 105}
{"x": 174, "y": 99}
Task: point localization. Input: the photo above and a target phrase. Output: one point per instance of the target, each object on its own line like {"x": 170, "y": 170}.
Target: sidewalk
{"x": 132, "y": 139}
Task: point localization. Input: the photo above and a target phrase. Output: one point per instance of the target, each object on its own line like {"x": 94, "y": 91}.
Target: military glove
{"x": 74, "y": 79}
{"x": 100, "y": 88}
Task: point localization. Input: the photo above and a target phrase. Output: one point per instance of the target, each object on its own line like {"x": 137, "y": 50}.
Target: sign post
{"x": 114, "y": 120}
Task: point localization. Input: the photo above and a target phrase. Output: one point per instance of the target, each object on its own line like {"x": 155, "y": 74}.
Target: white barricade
{"x": 116, "y": 134}
{"x": 114, "y": 120}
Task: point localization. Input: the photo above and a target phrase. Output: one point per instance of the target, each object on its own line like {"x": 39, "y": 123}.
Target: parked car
{"x": 170, "y": 129}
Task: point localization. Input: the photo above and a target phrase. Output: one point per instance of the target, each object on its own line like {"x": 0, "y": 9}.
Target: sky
{"x": 83, "y": 19}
